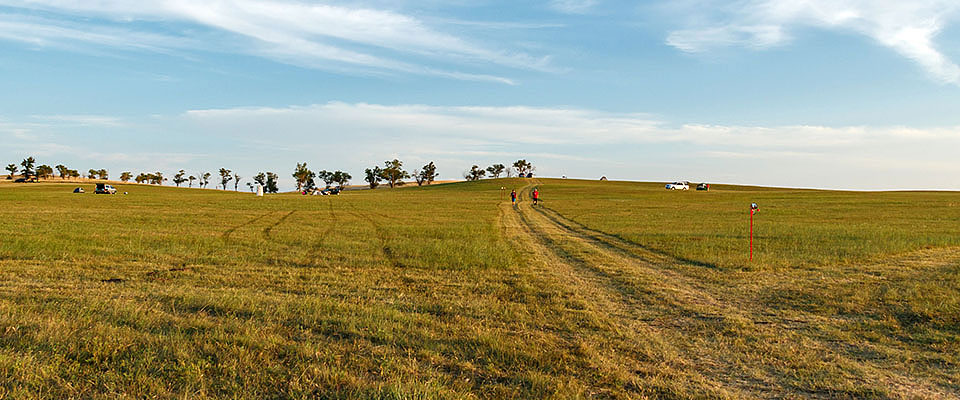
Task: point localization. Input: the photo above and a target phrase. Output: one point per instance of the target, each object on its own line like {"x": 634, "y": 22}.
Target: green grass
{"x": 793, "y": 228}
{"x": 613, "y": 290}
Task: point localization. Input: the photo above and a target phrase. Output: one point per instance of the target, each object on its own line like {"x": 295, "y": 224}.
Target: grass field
{"x": 611, "y": 290}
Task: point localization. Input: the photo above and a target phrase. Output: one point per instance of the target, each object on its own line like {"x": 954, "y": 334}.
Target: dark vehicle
{"x": 703, "y": 186}
{"x": 24, "y": 180}
{"x": 78, "y": 190}
{"x": 330, "y": 192}
{"x": 103, "y": 188}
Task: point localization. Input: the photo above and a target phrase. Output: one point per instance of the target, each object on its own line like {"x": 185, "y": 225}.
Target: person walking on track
{"x": 513, "y": 196}
{"x": 536, "y": 196}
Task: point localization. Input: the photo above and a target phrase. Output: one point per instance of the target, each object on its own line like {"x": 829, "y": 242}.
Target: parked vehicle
{"x": 703, "y": 186}
{"x": 679, "y": 185}
{"x": 78, "y": 190}
{"x": 103, "y": 188}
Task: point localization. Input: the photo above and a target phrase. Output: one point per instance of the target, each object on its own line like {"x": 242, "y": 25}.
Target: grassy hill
{"x": 611, "y": 290}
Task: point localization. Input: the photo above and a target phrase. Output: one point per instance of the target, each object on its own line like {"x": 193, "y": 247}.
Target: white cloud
{"x": 573, "y": 6}
{"x": 560, "y": 141}
{"x": 311, "y": 35}
{"x": 907, "y": 27}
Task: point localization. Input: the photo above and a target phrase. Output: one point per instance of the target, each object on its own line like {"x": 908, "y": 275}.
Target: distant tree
{"x": 374, "y": 176}
{"x": 190, "y": 179}
{"x": 27, "y": 165}
{"x": 74, "y": 173}
{"x": 523, "y": 167}
{"x": 62, "y": 170}
{"x": 393, "y": 173}
{"x": 260, "y": 178}
{"x": 157, "y": 178}
{"x": 125, "y": 176}
{"x": 92, "y": 173}
{"x": 496, "y": 170}
{"x": 341, "y": 178}
{"x": 224, "y": 177}
{"x": 475, "y": 173}
{"x": 271, "y": 186}
{"x": 141, "y": 178}
{"x": 251, "y": 186}
{"x": 426, "y": 174}
{"x": 303, "y": 176}
{"x": 205, "y": 179}
{"x": 44, "y": 171}
{"x": 326, "y": 177}
{"x": 12, "y": 169}
{"x": 509, "y": 172}
{"x": 236, "y": 181}
{"x": 103, "y": 174}
{"x": 178, "y": 178}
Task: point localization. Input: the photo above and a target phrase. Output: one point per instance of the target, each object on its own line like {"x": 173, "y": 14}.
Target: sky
{"x": 840, "y": 94}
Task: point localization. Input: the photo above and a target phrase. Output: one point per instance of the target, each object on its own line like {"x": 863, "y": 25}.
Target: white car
{"x": 683, "y": 185}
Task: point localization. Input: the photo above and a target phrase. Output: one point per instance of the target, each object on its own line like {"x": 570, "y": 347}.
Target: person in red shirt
{"x": 536, "y": 196}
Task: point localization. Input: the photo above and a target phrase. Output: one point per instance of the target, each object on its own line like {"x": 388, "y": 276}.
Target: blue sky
{"x": 816, "y": 93}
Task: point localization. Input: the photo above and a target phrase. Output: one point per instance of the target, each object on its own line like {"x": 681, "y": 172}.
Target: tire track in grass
{"x": 381, "y": 237}
{"x": 322, "y": 237}
{"x": 614, "y": 242}
{"x": 674, "y": 306}
{"x": 226, "y": 234}
{"x": 620, "y": 335}
{"x": 267, "y": 230}
{"x": 690, "y": 312}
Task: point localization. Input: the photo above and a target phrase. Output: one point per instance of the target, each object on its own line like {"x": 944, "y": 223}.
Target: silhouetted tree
{"x": 205, "y": 179}
{"x": 27, "y": 165}
{"x": 103, "y": 174}
{"x": 190, "y": 179}
{"x": 426, "y": 174}
{"x": 523, "y": 167}
{"x": 393, "y": 173}
{"x": 260, "y": 178}
{"x": 374, "y": 176}
{"x": 236, "y": 181}
{"x": 341, "y": 178}
{"x": 92, "y": 173}
{"x": 496, "y": 170}
{"x": 125, "y": 176}
{"x": 178, "y": 178}
{"x": 326, "y": 177}
{"x": 303, "y": 176}
{"x": 271, "y": 186}
{"x": 44, "y": 171}
{"x": 62, "y": 170}
{"x": 224, "y": 178}
{"x": 475, "y": 173}
{"x": 12, "y": 168}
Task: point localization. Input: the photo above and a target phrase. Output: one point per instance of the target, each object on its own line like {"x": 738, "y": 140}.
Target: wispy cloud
{"x": 320, "y": 36}
{"x": 907, "y": 27}
{"x": 573, "y": 6}
{"x": 560, "y": 141}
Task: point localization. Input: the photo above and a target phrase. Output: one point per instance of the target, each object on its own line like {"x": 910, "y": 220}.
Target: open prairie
{"x": 607, "y": 290}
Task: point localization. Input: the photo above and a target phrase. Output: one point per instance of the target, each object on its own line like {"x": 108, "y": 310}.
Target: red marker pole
{"x": 751, "y": 234}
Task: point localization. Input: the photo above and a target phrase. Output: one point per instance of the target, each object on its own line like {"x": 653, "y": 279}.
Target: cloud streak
{"x": 319, "y": 36}
{"x": 907, "y": 27}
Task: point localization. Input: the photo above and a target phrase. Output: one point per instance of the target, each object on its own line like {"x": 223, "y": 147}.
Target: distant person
{"x": 513, "y": 196}
{"x": 536, "y": 196}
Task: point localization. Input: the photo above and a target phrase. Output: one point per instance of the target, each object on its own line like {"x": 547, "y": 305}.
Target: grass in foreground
{"x": 445, "y": 292}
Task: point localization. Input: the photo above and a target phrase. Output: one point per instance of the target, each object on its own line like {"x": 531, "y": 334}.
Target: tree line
{"x": 523, "y": 168}
{"x": 392, "y": 173}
